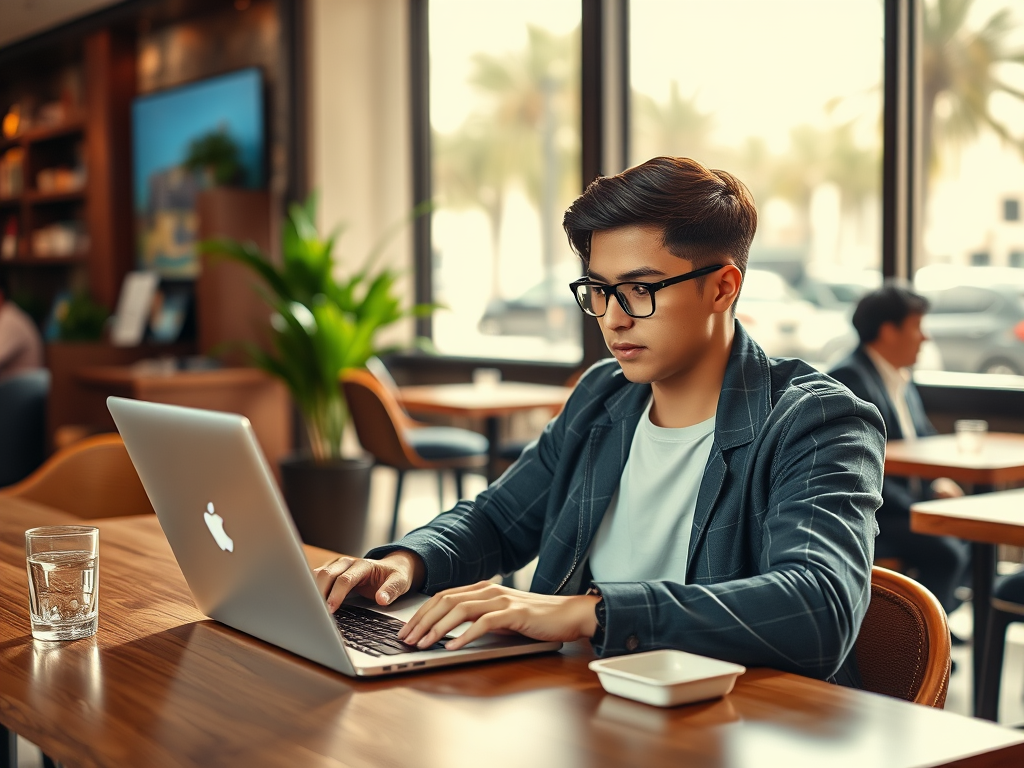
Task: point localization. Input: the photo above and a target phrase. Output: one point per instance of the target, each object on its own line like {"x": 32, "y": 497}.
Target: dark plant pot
{"x": 329, "y": 502}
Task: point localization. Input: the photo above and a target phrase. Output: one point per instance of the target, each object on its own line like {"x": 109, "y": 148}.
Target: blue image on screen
{"x": 164, "y": 125}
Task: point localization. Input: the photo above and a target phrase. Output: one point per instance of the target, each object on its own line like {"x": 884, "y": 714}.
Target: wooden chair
{"x": 93, "y": 478}
{"x": 394, "y": 440}
{"x": 903, "y": 646}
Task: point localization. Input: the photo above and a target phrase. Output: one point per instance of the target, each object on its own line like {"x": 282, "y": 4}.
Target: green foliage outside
{"x": 321, "y": 325}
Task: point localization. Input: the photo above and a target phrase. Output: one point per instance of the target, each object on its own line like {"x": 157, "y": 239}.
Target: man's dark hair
{"x": 888, "y": 304}
{"x": 704, "y": 214}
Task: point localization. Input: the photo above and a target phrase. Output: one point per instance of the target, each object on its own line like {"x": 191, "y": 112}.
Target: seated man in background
{"x": 21, "y": 346}
{"x": 703, "y": 496}
{"x": 888, "y": 322}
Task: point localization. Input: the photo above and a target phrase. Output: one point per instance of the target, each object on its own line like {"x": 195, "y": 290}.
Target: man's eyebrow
{"x": 633, "y": 274}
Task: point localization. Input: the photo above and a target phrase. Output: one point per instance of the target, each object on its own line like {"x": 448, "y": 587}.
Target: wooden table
{"x": 248, "y": 391}
{"x": 159, "y": 685}
{"x": 490, "y": 402}
{"x": 1001, "y": 461}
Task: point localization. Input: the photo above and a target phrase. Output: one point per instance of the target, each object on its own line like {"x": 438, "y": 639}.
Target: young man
{"x": 888, "y": 322}
{"x": 703, "y": 497}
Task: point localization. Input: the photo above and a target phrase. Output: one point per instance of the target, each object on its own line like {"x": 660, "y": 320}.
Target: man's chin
{"x": 636, "y": 373}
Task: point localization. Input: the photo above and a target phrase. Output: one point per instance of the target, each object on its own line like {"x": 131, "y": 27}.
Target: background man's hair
{"x": 891, "y": 303}
{"x": 704, "y": 214}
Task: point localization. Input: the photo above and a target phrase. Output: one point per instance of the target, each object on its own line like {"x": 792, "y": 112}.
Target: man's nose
{"x": 615, "y": 316}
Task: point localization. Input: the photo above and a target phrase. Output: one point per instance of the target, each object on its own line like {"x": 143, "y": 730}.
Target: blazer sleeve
{"x": 499, "y": 531}
{"x": 802, "y": 610}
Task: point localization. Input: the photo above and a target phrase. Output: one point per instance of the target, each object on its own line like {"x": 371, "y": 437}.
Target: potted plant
{"x": 321, "y": 325}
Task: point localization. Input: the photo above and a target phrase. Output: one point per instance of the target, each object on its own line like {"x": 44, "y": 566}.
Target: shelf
{"x": 47, "y": 261}
{"x": 36, "y": 135}
{"x": 42, "y": 198}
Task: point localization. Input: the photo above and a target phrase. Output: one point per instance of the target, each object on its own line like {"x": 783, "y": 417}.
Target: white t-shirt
{"x": 645, "y": 533}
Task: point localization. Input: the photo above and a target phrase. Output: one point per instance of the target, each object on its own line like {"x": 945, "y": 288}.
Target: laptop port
{"x": 419, "y": 663}
{"x": 387, "y": 668}
{"x": 401, "y": 666}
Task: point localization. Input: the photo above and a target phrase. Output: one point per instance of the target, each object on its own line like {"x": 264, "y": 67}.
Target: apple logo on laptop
{"x": 216, "y": 525}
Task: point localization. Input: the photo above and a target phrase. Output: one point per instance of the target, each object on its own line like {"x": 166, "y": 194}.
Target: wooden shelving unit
{"x": 92, "y": 216}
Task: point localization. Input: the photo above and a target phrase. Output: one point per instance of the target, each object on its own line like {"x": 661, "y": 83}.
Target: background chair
{"x": 1007, "y": 607}
{"x": 92, "y": 478}
{"x": 22, "y": 424}
{"x": 396, "y": 441}
{"x": 903, "y": 646}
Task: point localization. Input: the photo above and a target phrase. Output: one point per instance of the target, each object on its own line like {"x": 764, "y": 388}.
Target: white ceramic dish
{"x": 666, "y": 678}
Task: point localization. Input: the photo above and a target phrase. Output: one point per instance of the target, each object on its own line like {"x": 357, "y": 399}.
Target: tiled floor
{"x": 420, "y": 504}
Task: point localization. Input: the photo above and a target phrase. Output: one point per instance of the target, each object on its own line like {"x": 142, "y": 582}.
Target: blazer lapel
{"x": 742, "y": 407}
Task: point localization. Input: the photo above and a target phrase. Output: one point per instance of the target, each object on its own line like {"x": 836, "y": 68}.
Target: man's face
{"x": 905, "y": 341}
{"x": 677, "y": 336}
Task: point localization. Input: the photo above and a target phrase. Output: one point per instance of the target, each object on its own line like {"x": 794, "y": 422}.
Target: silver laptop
{"x": 236, "y": 544}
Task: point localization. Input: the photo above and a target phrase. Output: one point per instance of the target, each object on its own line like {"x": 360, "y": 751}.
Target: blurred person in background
{"x": 21, "y": 346}
{"x": 888, "y": 323}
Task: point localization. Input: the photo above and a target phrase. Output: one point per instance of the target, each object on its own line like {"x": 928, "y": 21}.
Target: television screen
{"x": 186, "y": 139}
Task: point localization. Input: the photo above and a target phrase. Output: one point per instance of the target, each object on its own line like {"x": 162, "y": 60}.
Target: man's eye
{"x": 640, "y": 291}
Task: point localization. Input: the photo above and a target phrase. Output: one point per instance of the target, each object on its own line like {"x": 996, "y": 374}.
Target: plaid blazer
{"x": 783, "y": 534}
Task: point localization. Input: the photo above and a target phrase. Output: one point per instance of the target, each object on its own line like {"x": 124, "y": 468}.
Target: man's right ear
{"x": 728, "y": 282}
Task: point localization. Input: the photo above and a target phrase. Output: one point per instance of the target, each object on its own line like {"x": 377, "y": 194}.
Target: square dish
{"x": 666, "y": 678}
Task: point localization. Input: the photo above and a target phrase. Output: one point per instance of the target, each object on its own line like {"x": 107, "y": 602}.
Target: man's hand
{"x": 381, "y": 580}
{"x": 494, "y": 608}
{"x": 944, "y": 488}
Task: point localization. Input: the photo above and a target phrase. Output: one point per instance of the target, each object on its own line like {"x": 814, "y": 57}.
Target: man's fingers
{"x": 394, "y": 586}
{"x": 436, "y": 626}
{"x": 442, "y": 602}
{"x": 327, "y": 573}
{"x": 351, "y": 577}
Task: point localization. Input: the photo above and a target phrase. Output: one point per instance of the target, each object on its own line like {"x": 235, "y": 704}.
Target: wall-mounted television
{"x": 201, "y": 119}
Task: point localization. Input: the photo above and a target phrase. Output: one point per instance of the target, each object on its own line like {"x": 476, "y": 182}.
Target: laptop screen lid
{"x": 228, "y": 526}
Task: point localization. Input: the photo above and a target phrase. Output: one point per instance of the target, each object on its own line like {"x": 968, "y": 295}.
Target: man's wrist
{"x": 588, "y": 625}
{"x": 596, "y": 633}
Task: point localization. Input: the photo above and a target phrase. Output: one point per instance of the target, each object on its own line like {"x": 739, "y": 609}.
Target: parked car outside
{"x": 976, "y": 318}
{"x": 773, "y": 313}
{"x": 547, "y": 309}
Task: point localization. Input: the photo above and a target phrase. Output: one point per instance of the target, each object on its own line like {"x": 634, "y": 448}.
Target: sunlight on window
{"x": 787, "y": 95}
{"x": 973, "y": 144}
{"x": 504, "y": 111}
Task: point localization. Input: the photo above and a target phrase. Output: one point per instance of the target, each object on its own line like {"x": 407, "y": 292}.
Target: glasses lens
{"x": 636, "y": 298}
{"x": 591, "y": 300}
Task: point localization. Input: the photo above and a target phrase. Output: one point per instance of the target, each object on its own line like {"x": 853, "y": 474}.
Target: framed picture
{"x": 183, "y": 140}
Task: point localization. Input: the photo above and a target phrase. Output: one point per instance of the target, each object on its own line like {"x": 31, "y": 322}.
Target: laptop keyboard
{"x": 374, "y": 633}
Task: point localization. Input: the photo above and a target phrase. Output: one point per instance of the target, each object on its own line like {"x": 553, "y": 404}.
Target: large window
{"x": 786, "y": 95}
{"x": 972, "y": 145}
{"x": 505, "y": 123}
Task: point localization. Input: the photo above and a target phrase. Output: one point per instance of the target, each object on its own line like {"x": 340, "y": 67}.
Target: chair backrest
{"x": 22, "y": 424}
{"x": 903, "y": 646}
{"x": 378, "y": 419}
{"x": 93, "y": 478}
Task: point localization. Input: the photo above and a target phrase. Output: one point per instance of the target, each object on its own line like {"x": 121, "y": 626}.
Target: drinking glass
{"x": 970, "y": 434}
{"x": 63, "y": 581}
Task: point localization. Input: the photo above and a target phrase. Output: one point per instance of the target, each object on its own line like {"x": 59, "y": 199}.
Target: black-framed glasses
{"x": 636, "y": 299}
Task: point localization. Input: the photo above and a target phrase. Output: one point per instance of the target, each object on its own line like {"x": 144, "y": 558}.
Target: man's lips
{"x": 626, "y": 351}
